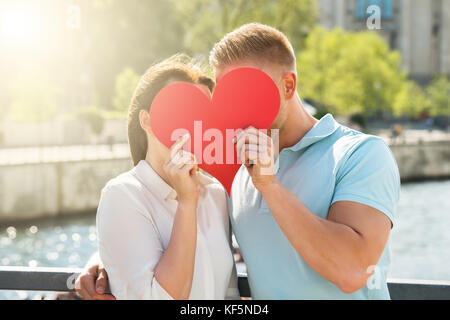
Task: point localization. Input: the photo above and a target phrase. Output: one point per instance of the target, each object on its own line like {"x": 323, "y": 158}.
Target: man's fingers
{"x": 84, "y": 294}
{"x": 252, "y": 136}
{"x": 246, "y": 139}
{"x": 85, "y": 287}
{"x": 252, "y": 154}
{"x": 252, "y": 131}
{"x": 105, "y": 297}
{"x": 260, "y": 149}
{"x": 100, "y": 284}
{"x": 80, "y": 290}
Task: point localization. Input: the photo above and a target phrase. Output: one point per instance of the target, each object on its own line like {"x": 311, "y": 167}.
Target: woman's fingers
{"x": 189, "y": 169}
{"x": 178, "y": 145}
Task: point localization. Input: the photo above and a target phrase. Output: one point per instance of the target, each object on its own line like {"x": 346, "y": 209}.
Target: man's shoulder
{"x": 363, "y": 153}
{"x": 349, "y": 141}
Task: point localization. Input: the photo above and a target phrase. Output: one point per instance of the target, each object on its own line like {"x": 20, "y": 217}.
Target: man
{"x": 311, "y": 212}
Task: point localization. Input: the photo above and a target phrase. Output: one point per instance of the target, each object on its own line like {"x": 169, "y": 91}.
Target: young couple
{"x": 317, "y": 228}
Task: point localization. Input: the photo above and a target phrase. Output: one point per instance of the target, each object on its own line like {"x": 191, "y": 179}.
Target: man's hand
{"x": 91, "y": 283}
{"x": 256, "y": 151}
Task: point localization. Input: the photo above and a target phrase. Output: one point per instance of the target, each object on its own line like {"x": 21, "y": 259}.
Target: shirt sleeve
{"x": 369, "y": 175}
{"x": 129, "y": 246}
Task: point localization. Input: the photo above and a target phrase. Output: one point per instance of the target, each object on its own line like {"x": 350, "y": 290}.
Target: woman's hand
{"x": 181, "y": 170}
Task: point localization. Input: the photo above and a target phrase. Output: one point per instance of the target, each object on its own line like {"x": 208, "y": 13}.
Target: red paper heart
{"x": 243, "y": 97}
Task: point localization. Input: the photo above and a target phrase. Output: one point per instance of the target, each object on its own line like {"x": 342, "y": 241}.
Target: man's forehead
{"x": 272, "y": 70}
{"x": 220, "y": 72}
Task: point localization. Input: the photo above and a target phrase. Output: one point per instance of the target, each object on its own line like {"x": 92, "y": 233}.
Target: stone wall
{"x": 421, "y": 161}
{"x": 54, "y": 189}
{"x": 59, "y": 131}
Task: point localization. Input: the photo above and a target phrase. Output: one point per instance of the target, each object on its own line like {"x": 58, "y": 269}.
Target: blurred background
{"x": 69, "y": 67}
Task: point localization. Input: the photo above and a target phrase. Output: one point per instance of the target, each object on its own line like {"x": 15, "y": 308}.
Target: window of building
{"x": 385, "y": 5}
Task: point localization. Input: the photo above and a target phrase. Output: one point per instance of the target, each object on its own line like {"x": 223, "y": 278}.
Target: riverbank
{"x": 66, "y": 181}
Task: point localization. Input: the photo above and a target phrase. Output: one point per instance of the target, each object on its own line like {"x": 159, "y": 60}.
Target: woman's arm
{"x": 175, "y": 270}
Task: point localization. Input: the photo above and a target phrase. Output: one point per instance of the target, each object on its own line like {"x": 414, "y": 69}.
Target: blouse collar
{"x": 152, "y": 180}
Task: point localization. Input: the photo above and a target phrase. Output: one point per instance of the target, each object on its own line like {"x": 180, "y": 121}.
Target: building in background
{"x": 419, "y": 29}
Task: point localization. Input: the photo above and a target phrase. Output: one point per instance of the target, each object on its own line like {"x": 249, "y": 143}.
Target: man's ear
{"x": 289, "y": 82}
{"x": 144, "y": 120}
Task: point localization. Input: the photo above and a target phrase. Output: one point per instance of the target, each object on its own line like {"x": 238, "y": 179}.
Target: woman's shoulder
{"x": 122, "y": 198}
{"x": 124, "y": 181}
{"x": 123, "y": 188}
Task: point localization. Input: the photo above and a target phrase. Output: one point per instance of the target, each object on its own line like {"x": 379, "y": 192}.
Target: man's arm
{"x": 341, "y": 248}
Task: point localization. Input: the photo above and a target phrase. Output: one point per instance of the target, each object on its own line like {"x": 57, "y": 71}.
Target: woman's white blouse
{"x": 134, "y": 223}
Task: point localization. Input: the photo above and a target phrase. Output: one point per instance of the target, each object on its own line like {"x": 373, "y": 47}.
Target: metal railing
{"x": 63, "y": 280}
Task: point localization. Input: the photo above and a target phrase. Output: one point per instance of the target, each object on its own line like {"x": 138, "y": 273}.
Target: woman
{"x": 163, "y": 226}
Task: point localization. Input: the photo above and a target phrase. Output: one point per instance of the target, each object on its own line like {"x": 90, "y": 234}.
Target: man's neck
{"x": 297, "y": 124}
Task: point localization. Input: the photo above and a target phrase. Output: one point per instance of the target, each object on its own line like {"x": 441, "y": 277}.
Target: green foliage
{"x": 360, "y": 119}
{"x": 439, "y": 96}
{"x": 94, "y": 117}
{"x": 131, "y": 33}
{"x": 349, "y": 72}
{"x": 31, "y": 100}
{"x": 411, "y": 100}
{"x": 126, "y": 83}
{"x": 206, "y": 21}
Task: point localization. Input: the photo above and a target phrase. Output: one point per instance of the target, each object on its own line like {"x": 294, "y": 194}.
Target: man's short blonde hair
{"x": 253, "y": 41}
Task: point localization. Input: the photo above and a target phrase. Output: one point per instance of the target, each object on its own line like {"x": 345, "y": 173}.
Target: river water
{"x": 420, "y": 242}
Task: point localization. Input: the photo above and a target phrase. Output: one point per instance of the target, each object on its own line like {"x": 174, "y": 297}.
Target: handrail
{"x": 63, "y": 280}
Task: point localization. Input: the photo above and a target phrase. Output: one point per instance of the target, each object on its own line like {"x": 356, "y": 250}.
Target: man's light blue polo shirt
{"x": 330, "y": 163}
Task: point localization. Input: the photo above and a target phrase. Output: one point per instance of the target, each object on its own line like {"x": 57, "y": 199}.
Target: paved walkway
{"x": 17, "y": 156}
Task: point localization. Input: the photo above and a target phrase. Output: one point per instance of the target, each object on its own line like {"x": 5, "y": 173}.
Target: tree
{"x": 31, "y": 100}
{"x": 132, "y": 33}
{"x": 126, "y": 83}
{"x": 207, "y": 21}
{"x": 349, "y": 72}
{"x": 411, "y": 100}
{"x": 439, "y": 95}
{"x": 94, "y": 118}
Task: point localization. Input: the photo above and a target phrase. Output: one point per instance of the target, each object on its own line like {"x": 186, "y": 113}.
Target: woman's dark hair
{"x": 176, "y": 68}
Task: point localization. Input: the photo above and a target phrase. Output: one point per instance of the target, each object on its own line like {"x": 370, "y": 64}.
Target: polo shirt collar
{"x": 322, "y": 129}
